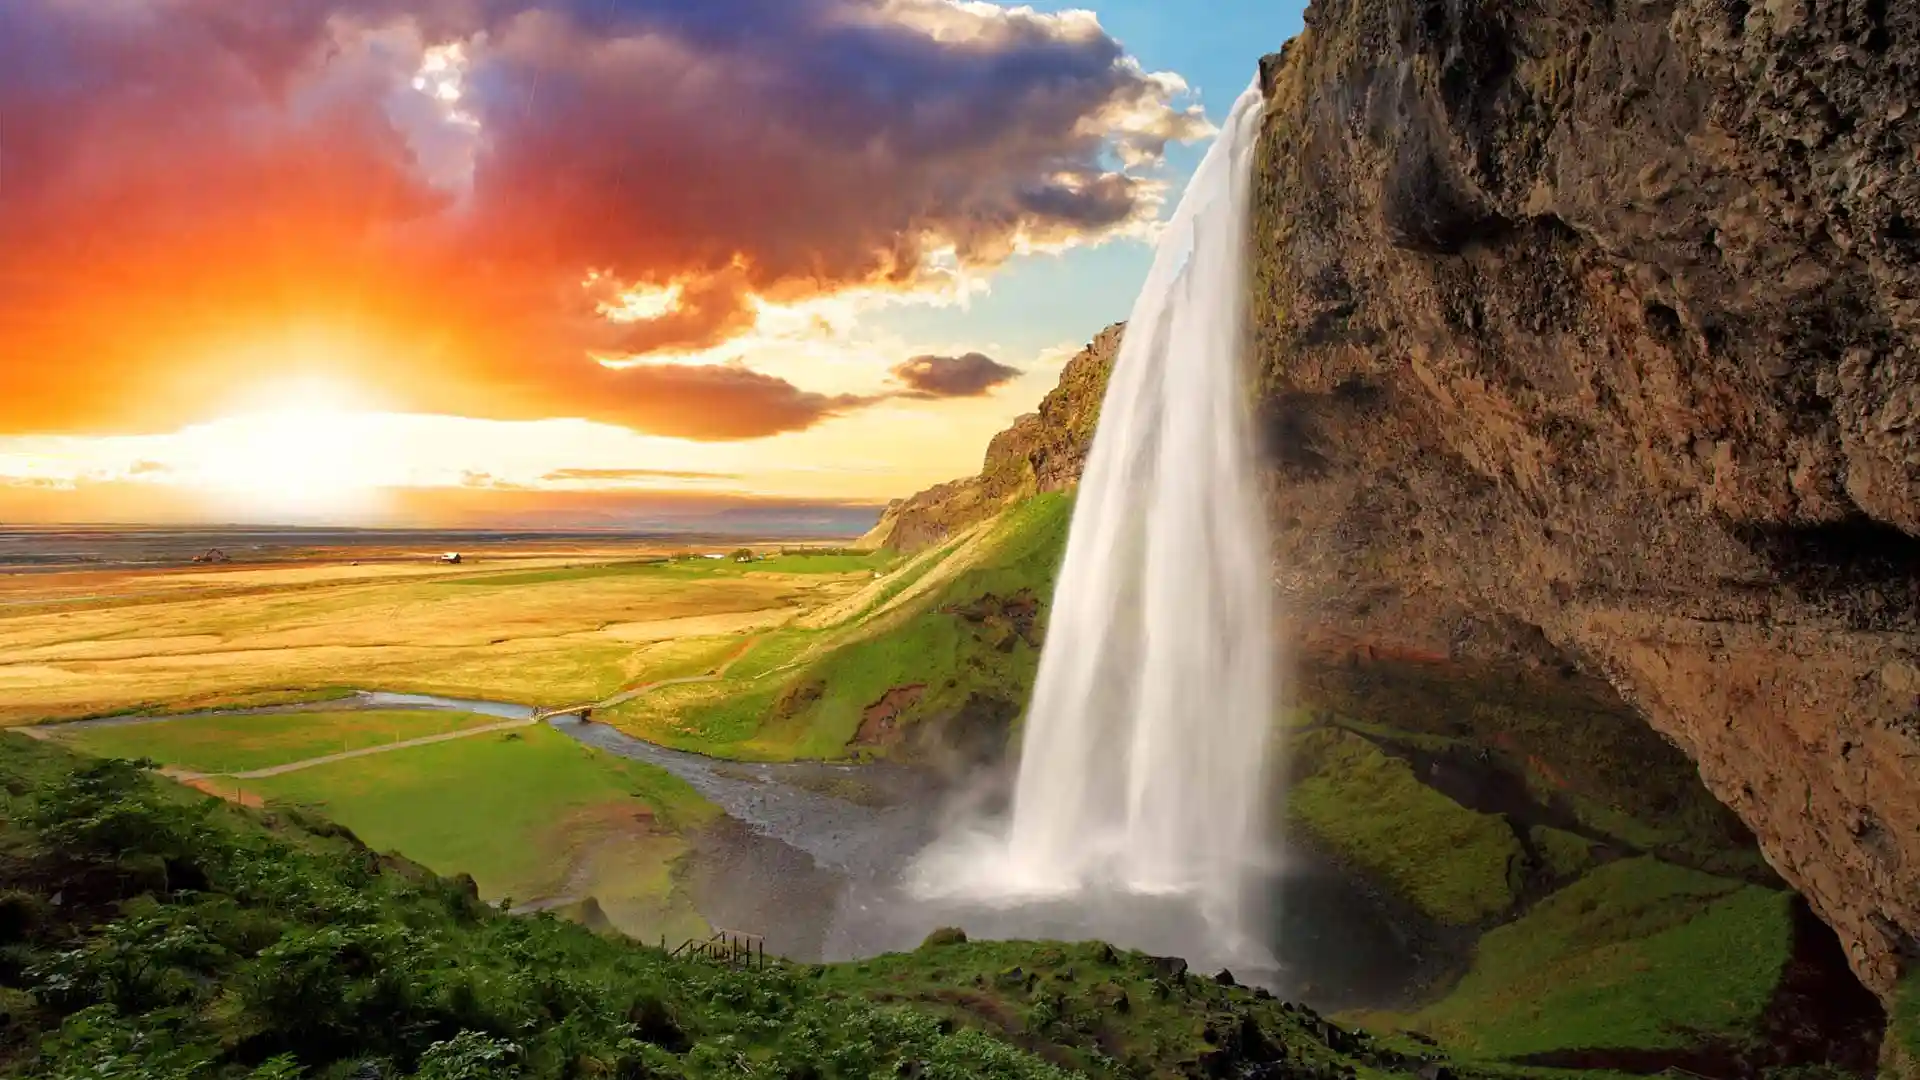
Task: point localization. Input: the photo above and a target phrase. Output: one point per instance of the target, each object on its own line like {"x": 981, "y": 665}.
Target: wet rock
{"x": 1225, "y": 978}
{"x": 1170, "y": 968}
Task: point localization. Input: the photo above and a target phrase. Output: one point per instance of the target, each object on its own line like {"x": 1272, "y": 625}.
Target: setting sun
{"x": 311, "y": 455}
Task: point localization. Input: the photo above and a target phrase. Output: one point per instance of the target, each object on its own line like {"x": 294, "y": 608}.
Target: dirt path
{"x": 629, "y": 694}
{"x": 369, "y": 751}
{"x": 622, "y": 697}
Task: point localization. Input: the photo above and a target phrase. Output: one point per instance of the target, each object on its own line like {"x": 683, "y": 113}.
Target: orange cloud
{"x": 188, "y": 180}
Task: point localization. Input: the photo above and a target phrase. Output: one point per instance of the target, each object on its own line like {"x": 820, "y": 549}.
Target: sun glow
{"x": 301, "y": 451}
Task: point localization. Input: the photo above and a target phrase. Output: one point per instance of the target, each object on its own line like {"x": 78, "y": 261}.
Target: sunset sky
{"x": 432, "y": 261}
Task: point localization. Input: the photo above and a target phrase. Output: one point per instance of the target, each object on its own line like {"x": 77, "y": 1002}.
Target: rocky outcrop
{"x": 1587, "y": 337}
{"x": 1042, "y": 451}
{"x": 1600, "y": 318}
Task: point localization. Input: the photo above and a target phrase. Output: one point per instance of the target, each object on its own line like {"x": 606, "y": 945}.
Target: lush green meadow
{"x": 242, "y": 743}
{"x": 522, "y": 811}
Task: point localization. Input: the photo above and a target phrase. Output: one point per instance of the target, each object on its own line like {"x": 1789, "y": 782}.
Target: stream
{"x": 810, "y": 856}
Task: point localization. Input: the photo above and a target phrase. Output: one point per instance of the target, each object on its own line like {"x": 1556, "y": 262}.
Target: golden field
{"x": 531, "y": 627}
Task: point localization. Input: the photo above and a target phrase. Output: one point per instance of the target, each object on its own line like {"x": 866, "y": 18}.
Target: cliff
{"x": 1587, "y": 335}
{"x": 1601, "y": 318}
{"x": 1041, "y": 452}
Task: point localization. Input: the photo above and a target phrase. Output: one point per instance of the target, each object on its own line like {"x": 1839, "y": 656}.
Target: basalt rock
{"x": 1599, "y": 318}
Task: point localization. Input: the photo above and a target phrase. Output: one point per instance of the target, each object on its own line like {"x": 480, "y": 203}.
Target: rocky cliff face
{"x": 1042, "y": 451}
{"x": 1587, "y": 333}
{"x": 1602, "y": 317}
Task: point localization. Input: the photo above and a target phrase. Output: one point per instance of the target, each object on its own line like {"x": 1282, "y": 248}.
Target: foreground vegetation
{"x": 147, "y": 931}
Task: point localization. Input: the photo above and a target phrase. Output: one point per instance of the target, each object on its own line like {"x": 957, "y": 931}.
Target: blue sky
{"x": 1039, "y": 302}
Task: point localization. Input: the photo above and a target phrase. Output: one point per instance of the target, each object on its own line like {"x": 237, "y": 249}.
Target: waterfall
{"x": 1144, "y": 756}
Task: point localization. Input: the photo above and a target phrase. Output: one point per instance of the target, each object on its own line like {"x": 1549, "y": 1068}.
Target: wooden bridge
{"x": 542, "y": 713}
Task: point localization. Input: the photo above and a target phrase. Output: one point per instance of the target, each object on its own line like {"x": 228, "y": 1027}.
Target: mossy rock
{"x": 1562, "y": 854}
{"x": 1456, "y": 865}
{"x": 946, "y": 935}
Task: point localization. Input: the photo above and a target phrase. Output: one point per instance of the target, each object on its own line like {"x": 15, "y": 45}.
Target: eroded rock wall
{"x": 1601, "y": 318}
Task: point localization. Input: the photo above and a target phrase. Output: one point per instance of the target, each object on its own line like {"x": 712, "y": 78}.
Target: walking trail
{"x": 624, "y": 696}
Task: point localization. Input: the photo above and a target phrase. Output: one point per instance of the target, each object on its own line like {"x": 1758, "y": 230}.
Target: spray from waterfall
{"x": 1144, "y": 756}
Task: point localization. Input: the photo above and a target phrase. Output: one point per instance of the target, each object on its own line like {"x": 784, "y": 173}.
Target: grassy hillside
{"x": 1639, "y": 954}
{"x": 148, "y": 931}
{"x": 939, "y": 651}
{"x": 971, "y": 644}
{"x": 1456, "y": 865}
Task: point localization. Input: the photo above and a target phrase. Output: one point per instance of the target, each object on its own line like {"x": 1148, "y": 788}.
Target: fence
{"x": 724, "y": 947}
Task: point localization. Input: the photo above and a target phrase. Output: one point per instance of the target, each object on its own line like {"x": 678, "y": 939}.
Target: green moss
{"x": 1563, "y": 854}
{"x": 1639, "y": 953}
{"x": 1593, "y": 757}
{"x": 1373, "y": 812}
{"x": 1902, "y": 1050}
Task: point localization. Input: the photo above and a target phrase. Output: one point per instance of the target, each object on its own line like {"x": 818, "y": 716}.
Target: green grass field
{"x": 763, "y": 712}
{"x": 517, "y": 810}
{"x": 224, "y": 744}
{"x": 1639, "y": 953}
{"x": 1374, "y": 813}
{"x": 536, "y": 634}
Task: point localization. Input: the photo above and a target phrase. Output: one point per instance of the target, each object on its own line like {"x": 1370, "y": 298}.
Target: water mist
{"x": 1144, "y": 757}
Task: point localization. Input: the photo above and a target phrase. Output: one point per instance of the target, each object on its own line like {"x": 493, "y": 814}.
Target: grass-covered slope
{"x": 149, "y": 931}
{"x": 1902, "y": 1058}
{"x": 1457, "y": 866}
{"x": 528, "y": 813}
{"x": 937, "y": 654}
{"x": 1638, "y": 954}
{"x": 964, "y": 653}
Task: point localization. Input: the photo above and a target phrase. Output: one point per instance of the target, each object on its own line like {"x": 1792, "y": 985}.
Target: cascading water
{"x": 1144, "y": 755}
